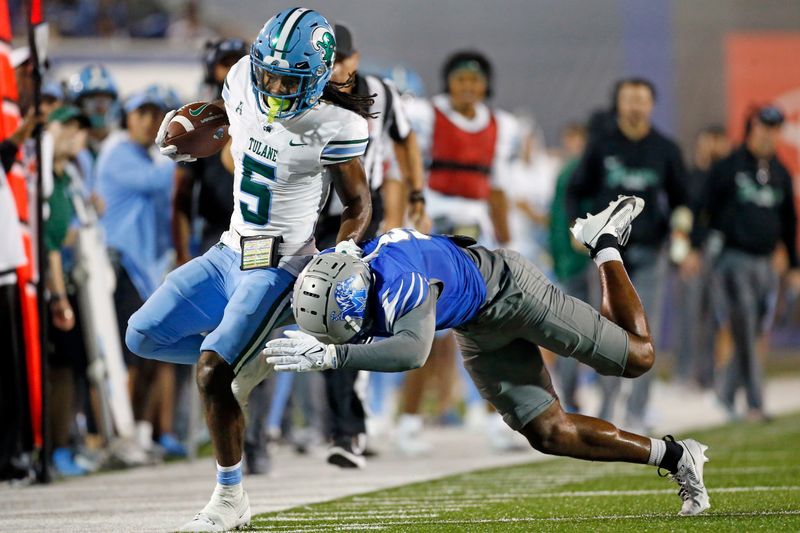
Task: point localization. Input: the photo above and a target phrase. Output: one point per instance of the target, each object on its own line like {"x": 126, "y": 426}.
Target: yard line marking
{"x": 385, "y": 524}
{"x": 470, "y": 500}
{"x": 643, "y": 492}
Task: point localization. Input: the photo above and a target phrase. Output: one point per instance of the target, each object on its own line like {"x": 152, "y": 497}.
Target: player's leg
{"x": 346, "y": 419}
{"x": 514, "y": 378}
{"x": 257, "y": 305}
{"x": 191, "y": 301}
{"x": 616, "y": 341}
{"x": 603, "y": 234}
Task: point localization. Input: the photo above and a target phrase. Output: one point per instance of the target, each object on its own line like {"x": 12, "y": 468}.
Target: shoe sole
{"x": 577, "y": 227}
{"x": 699, "y": 466}
{"x": 344, "y": 459}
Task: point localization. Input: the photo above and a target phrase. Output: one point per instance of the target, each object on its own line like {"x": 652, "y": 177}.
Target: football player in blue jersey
{"x": 502, "y": 308}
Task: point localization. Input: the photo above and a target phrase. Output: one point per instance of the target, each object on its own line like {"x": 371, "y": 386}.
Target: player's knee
{"x": 214, "y": 375}
{"x": 140, "y": 343}
{"x": 550, "y": 432}
{"x": 641, "y": 357}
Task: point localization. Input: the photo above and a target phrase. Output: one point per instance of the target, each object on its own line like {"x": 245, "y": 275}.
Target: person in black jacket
{"x": 749, "y": 200}
{"x": 695, "y": 336}
{"x": 630, "y": 157}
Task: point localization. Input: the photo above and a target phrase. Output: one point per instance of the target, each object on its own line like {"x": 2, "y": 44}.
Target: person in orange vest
{"x": 468, "y": 148}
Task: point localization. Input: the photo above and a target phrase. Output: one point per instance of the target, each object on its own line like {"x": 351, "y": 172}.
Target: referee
{"x": 389, "y": 122}
{"x": 749, "y": 200}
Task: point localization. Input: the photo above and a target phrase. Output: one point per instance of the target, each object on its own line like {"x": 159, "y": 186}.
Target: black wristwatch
{"x": 416, "y": 196}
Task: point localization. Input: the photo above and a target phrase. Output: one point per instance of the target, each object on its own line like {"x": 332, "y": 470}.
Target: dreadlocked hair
{"x": 357, "y": 103}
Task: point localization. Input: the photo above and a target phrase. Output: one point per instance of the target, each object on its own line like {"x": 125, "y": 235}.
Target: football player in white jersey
{"x": 288, "y": 125}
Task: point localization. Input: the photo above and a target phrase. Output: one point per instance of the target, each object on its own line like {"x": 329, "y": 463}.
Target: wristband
{"x": 416, "y": 196}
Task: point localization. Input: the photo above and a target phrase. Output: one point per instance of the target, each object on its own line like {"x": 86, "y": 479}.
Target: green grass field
{"x": 753, "y": 479}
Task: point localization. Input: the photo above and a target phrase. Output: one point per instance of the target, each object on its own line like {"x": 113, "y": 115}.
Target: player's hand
{"x": 29, "y": 123}
{"x": 63, "y": 317}
{"x": 299, "y": 352}
{"x": 349, "y": 247}
{"x": 419, "y": 218}
{"x": 170, "y": 150}
{"x": 691, "y": 265}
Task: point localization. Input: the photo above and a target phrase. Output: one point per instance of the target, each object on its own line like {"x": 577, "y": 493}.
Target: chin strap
{"x": 353, "y": 324}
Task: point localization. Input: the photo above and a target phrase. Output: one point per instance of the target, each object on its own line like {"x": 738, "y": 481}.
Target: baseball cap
{"x": 53, "y": 89}
{"x": 67, "y": 113}
{"x": 770, "y": 115}
{"x": 344, "y": 41}
{"x": 147, "y": 97}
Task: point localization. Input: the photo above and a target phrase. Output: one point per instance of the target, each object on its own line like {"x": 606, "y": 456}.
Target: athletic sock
{"x": 229, "y": 476}
{"x": 665, "y": 454}
{"x": 658, "y": 448}
{"x": 607, "y": 249}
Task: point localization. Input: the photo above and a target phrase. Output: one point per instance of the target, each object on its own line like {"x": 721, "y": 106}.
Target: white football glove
{"x": 299, "y": 352}
{"x": 170, "y": 150}
{"x": 349, "y": 247}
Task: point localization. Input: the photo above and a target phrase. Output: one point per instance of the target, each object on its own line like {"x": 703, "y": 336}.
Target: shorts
{"x": 524, "y": 311}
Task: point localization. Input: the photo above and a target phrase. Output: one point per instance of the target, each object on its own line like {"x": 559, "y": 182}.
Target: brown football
{"x": 199, "y": 129}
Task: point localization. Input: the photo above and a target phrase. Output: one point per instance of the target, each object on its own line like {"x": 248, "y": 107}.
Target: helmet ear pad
{"x": 331, "y": 298}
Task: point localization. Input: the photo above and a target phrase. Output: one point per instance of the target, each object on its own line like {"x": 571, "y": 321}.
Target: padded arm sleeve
{"x": 406, "y": 349}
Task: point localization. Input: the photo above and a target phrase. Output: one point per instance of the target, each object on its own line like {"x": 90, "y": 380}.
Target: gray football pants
{"x": 524, "y": 311}
{"x": 568, "y": 368}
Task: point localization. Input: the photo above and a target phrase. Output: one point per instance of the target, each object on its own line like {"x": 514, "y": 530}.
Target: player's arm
{"x": 350, "y": 183}
{"x": 182, "y": 213}
{"x": 498, "y": 211}
{"x": 498, "y": 203}
{"x": 406, "y": 349}
{"x": 409, "y": 160}
{"x": 124, "y": 166}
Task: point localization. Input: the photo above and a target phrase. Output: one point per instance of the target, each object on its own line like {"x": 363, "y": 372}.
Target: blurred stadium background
{"x": 555, "y": 63}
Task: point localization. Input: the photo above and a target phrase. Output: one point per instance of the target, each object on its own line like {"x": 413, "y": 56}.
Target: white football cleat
{"x": 614, "y": 220}
{"x": 221, "y": 513}
{"x": 690, "y": 478}
{"x": 408, "y": 439}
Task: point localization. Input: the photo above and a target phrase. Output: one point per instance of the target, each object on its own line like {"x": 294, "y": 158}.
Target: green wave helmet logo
{"x": 322, "y": 40}
{"x": 196, "y": 112}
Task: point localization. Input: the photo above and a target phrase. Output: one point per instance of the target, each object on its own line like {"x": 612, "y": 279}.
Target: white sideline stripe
{"x": 183, "y": 121}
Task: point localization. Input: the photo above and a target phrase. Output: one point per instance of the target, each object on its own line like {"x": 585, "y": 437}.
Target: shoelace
{"x": 204, "y": 518}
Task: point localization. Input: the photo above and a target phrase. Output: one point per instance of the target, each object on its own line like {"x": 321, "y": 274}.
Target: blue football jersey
{"x": 403, "y": 262}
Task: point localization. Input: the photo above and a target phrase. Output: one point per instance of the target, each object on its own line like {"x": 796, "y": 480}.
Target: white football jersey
{"x": 279, "y": 179}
